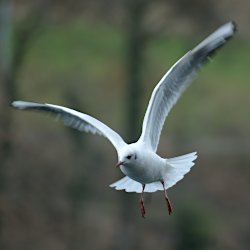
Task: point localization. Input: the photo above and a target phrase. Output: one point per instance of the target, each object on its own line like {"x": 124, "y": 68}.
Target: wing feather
{"x": 176, "y": 80}
{"x": 75, "y": 120}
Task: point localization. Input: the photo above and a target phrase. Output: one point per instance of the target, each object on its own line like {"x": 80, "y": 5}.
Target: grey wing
{"x": 75, "y": 120}
{"x": 176, "y": 80}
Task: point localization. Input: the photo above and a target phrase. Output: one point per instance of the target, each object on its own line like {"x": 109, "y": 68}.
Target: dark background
{"x": 104, "y": 58}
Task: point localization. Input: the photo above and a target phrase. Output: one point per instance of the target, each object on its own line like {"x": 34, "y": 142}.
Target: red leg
{"x": 143, "y": 211}
{"x": 170, "y": 210}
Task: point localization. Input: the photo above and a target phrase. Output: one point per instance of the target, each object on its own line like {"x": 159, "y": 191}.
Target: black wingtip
{"x": 208, "y": 47}
{"x": 235, "y": 26}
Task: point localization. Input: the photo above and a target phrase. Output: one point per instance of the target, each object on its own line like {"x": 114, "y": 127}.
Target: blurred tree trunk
{"x": 5, "y": 95}
{"x": 13, "y": 48}
{"x": 14, "y": 43}
{"x": 135, "y": 48}
{"x": 6, "y": 82}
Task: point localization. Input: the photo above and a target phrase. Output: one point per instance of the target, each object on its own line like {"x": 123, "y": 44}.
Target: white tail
{"x": 179, "y": 166}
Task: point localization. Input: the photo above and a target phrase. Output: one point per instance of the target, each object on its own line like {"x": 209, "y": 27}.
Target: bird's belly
{"x": 142, "y": 174}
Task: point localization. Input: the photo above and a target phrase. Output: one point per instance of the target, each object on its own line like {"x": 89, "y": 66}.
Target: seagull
{"x": 144, "y": 169}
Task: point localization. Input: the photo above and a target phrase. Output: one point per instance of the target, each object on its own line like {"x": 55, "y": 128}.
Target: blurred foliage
{"x": 61, "y": 50}
{"x": 57, "y": 194}
{"x": 208, "y": 115}
{"x": 194, "y": 227}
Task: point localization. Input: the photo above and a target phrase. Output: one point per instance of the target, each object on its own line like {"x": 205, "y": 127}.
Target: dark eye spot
{"x": 129, "y": 157}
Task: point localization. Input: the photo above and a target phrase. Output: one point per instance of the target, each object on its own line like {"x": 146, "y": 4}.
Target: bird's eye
{"x": 129, "y": 157}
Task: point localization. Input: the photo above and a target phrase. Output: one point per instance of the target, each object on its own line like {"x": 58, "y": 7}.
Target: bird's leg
{"x": 143, "y": 211}
{"x": 170, "y": 210}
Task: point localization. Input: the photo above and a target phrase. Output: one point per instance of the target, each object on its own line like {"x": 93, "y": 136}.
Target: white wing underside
{"x": 176, "y": 80}
{"x": 164, "y": 96}
{"x": 75, "y": 119}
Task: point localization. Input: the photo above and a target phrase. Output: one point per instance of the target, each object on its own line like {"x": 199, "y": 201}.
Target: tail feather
{"x": 178, "y": 167}
{"x": 130, "y": 185}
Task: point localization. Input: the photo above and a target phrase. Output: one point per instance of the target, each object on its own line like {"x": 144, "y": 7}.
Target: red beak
{"x": 118, "y": 164}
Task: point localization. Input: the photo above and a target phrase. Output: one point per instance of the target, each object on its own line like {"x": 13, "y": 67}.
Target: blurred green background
{"x": 104, "y": 58}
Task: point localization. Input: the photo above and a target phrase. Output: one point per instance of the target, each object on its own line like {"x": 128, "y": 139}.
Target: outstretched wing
{"x": 75, "y": 120}
{"x": 176, "y": 80}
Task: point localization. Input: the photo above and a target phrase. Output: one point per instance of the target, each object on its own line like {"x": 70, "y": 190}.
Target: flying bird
{"x": 144, "y": 169}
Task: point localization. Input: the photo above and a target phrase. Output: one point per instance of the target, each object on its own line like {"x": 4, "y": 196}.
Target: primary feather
{"x": 176, "y": 80}
{"x": 146, "y": 171}
{"x": 75, "y": 120}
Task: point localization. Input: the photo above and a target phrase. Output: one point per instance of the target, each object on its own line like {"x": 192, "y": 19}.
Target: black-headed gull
{"x": 144, "y": 170}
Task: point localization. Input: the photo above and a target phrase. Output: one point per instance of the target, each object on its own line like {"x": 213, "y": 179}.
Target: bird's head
{"x": 127, "y": 157}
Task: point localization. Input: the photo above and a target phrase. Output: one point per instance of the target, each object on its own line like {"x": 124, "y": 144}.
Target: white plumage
{"x": 146, "y": 171}
{"x": 180, "y": 165}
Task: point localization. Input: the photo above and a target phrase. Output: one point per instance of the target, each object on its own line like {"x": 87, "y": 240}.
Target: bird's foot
{"x": 143, "y": 211}
{"x": 170, "y": 209}
{"x": 169, "y": 206}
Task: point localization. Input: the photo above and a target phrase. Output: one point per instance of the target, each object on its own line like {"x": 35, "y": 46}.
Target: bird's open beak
{"x": 118, "y": 164}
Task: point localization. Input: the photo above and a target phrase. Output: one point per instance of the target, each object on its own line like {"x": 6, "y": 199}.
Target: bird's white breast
{"x": 147, "y": 168}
